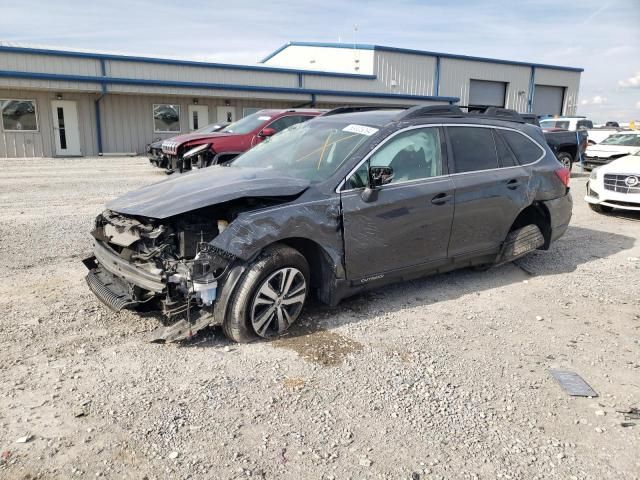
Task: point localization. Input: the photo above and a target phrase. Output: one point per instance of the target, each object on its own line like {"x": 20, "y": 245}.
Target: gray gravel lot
{"x": 444, "y": 377}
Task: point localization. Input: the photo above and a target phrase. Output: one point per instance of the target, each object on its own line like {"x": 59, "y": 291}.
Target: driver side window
{"x": 413, "y": 155}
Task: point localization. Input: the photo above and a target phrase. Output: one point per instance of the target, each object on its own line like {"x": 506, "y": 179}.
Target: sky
{"x": 601, "y": 36}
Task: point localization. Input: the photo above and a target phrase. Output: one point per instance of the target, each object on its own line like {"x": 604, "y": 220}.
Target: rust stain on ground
{"x": 320, "y": 346}
{"x": 293, "y": 383}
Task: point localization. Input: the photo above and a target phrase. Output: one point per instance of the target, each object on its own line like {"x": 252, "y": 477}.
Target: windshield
{"x": 247, "y": 124}
{"x": 564, "y": 124}
{"x": 214, "y": 127}
{"x": 624, "y": 140}
{"x": 311, "y": 150}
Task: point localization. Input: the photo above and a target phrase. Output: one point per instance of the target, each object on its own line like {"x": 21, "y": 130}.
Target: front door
{"x": 226, "y": 114}
{"x": 198, "y": 116}
{"x": 409, "y": 222}
{"x": 66, "y": 127}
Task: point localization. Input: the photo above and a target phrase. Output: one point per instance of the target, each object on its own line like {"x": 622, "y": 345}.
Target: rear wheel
{"x": 565, "y": 159}
{"x": 269, "y": 297}
{"x": 600, "y": 208}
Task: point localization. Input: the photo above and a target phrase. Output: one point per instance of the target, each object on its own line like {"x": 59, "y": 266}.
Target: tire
{"x": 248, "y": 305}
{"x": 600, "y": 208}
{"x": 565, "y": 159}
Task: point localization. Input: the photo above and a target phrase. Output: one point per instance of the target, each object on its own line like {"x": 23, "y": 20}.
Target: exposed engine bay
{"x": 166, "y": 265}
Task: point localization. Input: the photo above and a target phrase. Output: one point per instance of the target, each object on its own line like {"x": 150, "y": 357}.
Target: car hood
{"x": 629, "y": 164}
{"x": 203, "y": 188}
{"x": 606, "y": 151}
{"x": 189, "y": 137}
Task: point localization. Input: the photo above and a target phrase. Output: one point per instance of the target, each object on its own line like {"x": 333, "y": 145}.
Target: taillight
{"x": 564, "y": 174}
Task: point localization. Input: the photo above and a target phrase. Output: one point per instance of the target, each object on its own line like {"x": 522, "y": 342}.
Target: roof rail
{"x": 431, "y": 110}
{"x": 360, "y": 108}
{"x": 497, "y": 113}
{"x": 505, "y": 113}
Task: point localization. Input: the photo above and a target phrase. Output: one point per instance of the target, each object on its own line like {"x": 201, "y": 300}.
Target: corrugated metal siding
{"x": 455, "y": 76}
{"x": 413, "y": 74}
{"x": 49, "y": 64}
{"x": 324, "y": 59}
{"x": 333, "y": 100}
{"x": 127, "y": 120}
{"x": 41, "y": 143}
{"x": 184, "y": 73}
{"x": 205, "y": 92}
{"x": 561, "y": 78}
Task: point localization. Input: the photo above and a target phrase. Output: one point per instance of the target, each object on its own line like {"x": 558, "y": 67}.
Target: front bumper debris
{"x": 109, "y": 290}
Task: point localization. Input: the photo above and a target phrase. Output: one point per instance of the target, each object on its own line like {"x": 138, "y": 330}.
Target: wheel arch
{"x": 321, "y": 267}
{"x": 537, "y": 214}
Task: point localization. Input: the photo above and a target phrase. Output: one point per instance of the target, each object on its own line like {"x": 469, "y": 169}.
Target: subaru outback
{"x": 349, "y": 201}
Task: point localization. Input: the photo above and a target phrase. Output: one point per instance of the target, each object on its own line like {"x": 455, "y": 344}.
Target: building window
{"x": 166, "y": 118}
{"x": 19, "y": 115}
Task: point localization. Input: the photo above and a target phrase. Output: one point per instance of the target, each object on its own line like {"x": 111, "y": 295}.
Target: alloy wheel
{"x": 278, "y": 302}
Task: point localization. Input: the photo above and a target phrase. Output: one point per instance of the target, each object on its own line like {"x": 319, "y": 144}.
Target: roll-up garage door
{"x": 485, "y": 93}
{"x": 547, "y": 100}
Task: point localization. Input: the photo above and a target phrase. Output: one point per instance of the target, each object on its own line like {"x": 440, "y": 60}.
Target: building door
{"x": 226, "y": 114}
{"x": 198, "y": 116}
{"x": 483, "y": 93}
{"x": 547, "y": 100}
{"x": 66, "y": 128}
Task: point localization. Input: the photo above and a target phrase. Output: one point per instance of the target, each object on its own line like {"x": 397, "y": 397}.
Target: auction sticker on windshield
{"x": 361, "y": 129}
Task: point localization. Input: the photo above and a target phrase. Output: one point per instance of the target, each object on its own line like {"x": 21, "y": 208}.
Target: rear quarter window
{"x": 473, "y": 148}
{"x": 526, "y": 150}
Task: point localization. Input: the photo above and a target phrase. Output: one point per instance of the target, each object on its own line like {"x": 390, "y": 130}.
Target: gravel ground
{"x": 444, "y": 377}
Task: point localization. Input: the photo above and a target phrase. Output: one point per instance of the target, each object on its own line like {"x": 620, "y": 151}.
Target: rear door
{"x": 491, "y": 189}
{"x": 409, "y": 222}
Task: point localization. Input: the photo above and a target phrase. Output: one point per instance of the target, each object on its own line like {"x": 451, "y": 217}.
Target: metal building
{"x": 68, "y": 103}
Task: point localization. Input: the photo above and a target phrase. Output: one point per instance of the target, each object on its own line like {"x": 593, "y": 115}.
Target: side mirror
{"x": 378, "y": 176}
{"x": 267, "y": 132}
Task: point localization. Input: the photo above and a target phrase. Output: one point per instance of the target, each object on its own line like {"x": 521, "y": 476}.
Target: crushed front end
{"x": 166, "y": 265}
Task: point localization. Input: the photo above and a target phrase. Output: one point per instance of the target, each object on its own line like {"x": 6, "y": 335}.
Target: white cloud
{"x": 638, "y": 105}
{"x": 631, "y": 82}
{"x": 596, "y": 100}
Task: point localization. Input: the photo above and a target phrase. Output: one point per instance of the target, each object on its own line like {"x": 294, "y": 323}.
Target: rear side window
{"x": 505, "y": 156}
{"x": 525, "y": 149}
{"x": 473, "y": 148}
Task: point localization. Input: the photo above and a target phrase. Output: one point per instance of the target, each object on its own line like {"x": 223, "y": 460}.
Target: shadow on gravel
{"x": 578, "y": 246}
{"x": 311, "y": 337}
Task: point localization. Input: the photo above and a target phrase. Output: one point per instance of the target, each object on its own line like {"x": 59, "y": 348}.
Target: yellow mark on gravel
{"x": 292, "y": 383}
{"x": 323, "y": 347}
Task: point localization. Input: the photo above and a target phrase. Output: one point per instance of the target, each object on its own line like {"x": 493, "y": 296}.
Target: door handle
{"x": 513, "y": 184}
{"x": 441, "y": 199}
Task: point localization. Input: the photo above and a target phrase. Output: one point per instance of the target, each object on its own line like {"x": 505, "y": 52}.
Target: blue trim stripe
{"x": 188, "y": 63}
{"x": 98, "y": 126}
{"x": 532, "y": 89}
{"x": 215, "y": 86}
{"x": 418, "y": 52}
{"x": 436, "y": 83}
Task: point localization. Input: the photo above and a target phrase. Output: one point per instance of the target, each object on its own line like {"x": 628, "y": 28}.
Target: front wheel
{"x": 269, "y": 297}
{"x": 565, "y": 159}
{"x": 600, "y": 208}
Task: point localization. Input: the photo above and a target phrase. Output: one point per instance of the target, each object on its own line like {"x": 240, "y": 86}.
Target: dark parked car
{"x": 205, "y": 149}
{"x": 159, "y": 159}
{"x": 352, "y": 200}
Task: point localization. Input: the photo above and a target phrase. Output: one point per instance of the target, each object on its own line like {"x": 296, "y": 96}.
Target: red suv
{"x": 205, "y": 149}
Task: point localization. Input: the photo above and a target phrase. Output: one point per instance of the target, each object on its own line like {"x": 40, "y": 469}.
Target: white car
{"x": 616, "y": 146}
{"x": 615, "y": 185}
{"x": 596, "y": 135}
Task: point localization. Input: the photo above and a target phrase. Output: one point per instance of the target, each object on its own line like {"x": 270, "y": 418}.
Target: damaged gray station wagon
{"x": 351, "y": 200}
